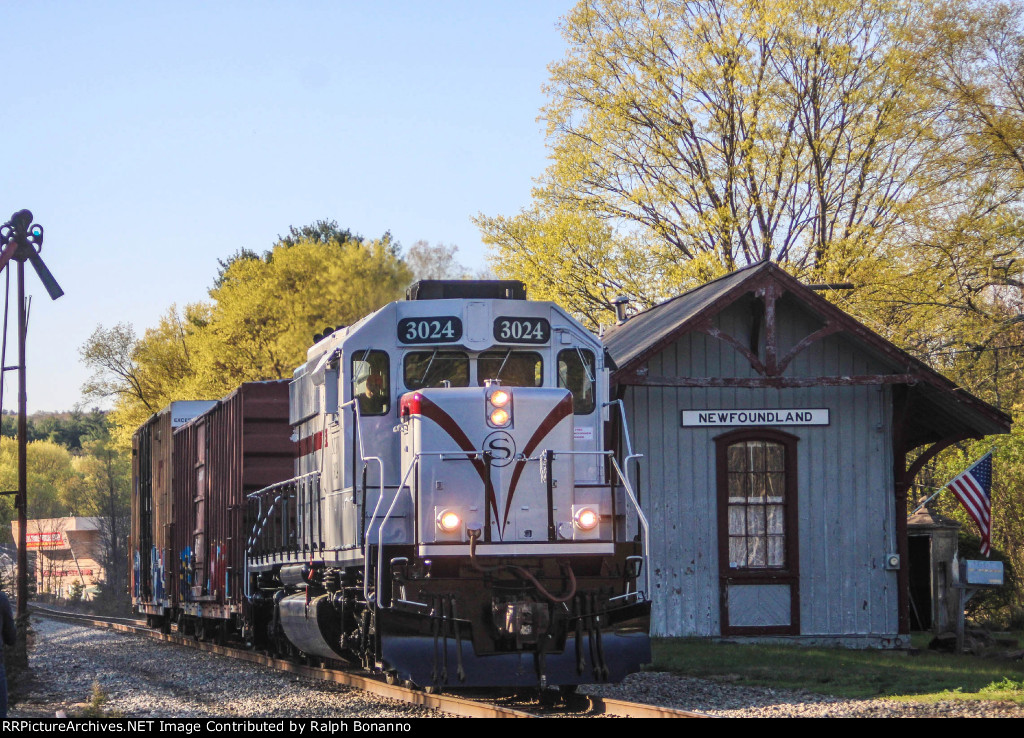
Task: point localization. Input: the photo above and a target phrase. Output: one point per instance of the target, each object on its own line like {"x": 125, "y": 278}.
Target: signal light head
{"x": 448, "y": 521}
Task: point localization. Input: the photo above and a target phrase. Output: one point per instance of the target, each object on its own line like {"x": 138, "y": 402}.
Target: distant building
{"x": 775, "y": 430}
{"x": 68, "y": 551}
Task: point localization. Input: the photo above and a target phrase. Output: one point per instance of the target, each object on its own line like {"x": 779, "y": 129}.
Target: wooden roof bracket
{"x": 705, "y": 326}
{"x": 930, "y": 453}
{"x": 768, "y": 293}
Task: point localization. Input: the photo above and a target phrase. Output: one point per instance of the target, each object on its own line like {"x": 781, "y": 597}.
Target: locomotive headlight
{"x": 586, "y": 518}
{"x": 448, "y": 521}
{"x": 499, "y": 408}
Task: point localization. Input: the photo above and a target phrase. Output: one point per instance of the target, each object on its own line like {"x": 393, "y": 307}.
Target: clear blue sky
{"x": 152, "y": 139}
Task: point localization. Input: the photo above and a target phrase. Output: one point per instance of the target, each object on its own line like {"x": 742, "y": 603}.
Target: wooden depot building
{"x": 775, "y": 430}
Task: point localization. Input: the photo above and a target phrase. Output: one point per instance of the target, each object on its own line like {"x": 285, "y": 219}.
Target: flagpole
{"x": 939, "y": 492}
{"x": 940, "y": 489}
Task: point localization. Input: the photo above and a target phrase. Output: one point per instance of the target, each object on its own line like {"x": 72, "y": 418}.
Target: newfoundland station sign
{"x": 818, "y": 416}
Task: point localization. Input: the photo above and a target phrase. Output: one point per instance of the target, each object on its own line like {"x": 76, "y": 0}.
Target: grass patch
{"x": 921, "y": 676}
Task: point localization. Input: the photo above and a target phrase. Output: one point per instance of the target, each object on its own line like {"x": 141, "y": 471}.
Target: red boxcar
{"x": 240, "y": 445}
{"x": 154, "y": 571}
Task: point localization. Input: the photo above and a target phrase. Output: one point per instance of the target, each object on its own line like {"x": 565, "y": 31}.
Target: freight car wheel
{"x": 199, "y": 629}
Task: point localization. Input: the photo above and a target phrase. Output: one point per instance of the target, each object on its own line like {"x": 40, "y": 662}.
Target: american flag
{"x": 974, "y": 490}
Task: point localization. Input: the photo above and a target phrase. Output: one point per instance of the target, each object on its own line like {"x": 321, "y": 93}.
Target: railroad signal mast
{"x": 22, "y": 240}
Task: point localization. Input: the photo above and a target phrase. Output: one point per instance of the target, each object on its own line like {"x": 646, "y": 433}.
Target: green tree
{"x": 142, "y": 375}
{"x": 263, "y": 313}
{"x": 709, "y": 135}
{"x": 103, "y": 491}
{"x": 52, "y": 483}
{"x": 434, "y": 262}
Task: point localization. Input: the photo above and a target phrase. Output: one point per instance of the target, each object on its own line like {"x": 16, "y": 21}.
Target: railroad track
{"x": 461, "y": 706}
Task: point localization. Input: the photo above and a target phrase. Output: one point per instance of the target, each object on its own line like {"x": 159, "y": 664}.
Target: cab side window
{"x": 371, "y": 382}
{"x": 577, "y": 372}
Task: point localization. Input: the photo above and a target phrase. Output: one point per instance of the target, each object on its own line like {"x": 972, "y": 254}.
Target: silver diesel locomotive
{"x": 458, "y": 517}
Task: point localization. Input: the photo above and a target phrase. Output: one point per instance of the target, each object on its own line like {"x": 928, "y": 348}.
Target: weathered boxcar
{"x": 152, "y": 509}
{"x": 241, "y": 444}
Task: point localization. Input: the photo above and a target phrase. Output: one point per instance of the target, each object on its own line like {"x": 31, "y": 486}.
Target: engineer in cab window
{"x": 374, "y": 400}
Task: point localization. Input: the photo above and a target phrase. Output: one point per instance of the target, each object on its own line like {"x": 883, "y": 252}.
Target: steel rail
{"x": 450, "y": 704}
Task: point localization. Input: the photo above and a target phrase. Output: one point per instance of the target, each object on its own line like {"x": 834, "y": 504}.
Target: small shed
{"x": 775, "y": 430}
{"x": 932, "y": 543}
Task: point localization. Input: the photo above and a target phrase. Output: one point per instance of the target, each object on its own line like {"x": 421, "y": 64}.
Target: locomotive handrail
{"x": 365, "y": 459}
{"x": 275, "y": 485}
{"x": 625, "y": 428}
{"x": 387, "y": 516}
{"x": 629, "y": 491}
{"x": 643, "y": 523}
{"x": 624, "y": 475}
{"x": 380, "y": 535}
{"x": 262, "y": 517}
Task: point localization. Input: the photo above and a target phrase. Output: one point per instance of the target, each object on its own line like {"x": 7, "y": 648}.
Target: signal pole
{"x": 22, "y": 460}
{"x": 22, "y": 240}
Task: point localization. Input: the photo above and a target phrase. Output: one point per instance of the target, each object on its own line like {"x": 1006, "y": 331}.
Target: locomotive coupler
{"x": 524, "y": 620}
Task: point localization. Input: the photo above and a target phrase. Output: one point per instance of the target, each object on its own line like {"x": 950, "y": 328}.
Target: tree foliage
{"x": 103, "y": 491}
{"x": 260, "y": 320}
{"x": 52, "y": 487}
{"x": 434, "y": 262}
{"x": 714, "y": 134}
{"x": 265, "y": 312}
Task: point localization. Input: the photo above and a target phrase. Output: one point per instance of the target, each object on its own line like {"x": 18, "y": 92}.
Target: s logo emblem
{"x": 502, "y": 448}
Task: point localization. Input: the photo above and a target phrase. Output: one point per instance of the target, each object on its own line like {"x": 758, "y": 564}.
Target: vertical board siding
{"x": 846, "y": 515}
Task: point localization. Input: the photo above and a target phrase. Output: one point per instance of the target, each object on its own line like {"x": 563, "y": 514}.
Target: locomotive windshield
{"x": 511, "y": 368}
{"x": 433, "y": 368}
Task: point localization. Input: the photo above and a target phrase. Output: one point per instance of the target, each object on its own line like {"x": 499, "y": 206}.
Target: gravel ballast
{"x": 148, "y": 678}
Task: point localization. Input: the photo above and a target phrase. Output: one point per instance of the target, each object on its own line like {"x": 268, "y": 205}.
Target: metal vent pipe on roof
{"x": 621, "y": 303}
